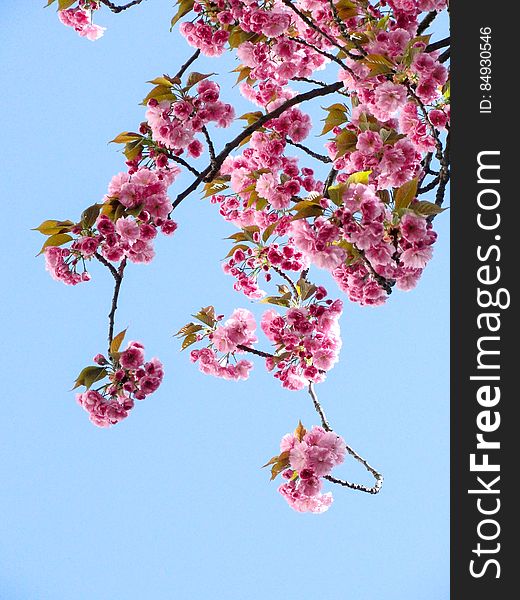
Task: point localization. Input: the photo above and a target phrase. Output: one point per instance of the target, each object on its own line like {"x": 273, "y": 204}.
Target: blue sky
{"x": 172, "y": 503}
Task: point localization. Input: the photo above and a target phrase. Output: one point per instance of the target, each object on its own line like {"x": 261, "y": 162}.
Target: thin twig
{"x": 320, "y": 157}
{"x": 319, "y": 409}
{"x": 108, "y": 265}
{"x": 353, "y": 486}
{"x": 288, "y": 279}
{"x": 255, "y": 351}
{"x": 187, "y": 64}
{"x": 184, "y": 163}
{"x": 323, "y": 53}
{"x": 113, "y": 309}
{"x": 117, "y": 9}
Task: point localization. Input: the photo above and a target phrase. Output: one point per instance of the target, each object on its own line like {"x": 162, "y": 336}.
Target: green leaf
{"x": 89, "y": 215}
{"x": 133, "y": 149}
{"x": 307, "y": 210}
{"x": 52, "y": 227}
{"x": 425, "y": 208}
{"x": 188, "y": 341}
{"x": 335, "y": 193}
{"x": 335, "y": 118}
{"x": 378, "y": 64}
{"x": 188, "y": 329}
{"x": 194, "y": 78}
{"x": 405, "y": 194}
{"x": 215, "y": 186}
{"x": 115, "y": 344}
{"x": 57, "y": 239}
{"x": 206, "y": 315}
{"x": 359, "y": 177}
{"x": 64, "y": 4}
{"x": 184, "y": 7}
{"x": 89, "y": 376}
{"x": 345, "y": 142}
{"x": 284, "y": 300}
{"x": 164, "y": 80}
{"x": 300, "y": 431}
{"x": 269, "y": 231}
{"x": 346, "y": 9}
{"x": 251, "y": 117}
{"x": 124, "y": 137}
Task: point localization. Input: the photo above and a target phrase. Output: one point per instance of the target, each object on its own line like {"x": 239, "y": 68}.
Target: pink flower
{"x": 133, "y": 356}
{"x": 128, "y": 229}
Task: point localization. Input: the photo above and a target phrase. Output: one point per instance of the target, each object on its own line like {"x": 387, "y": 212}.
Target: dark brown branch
{"x": 187, "y": 64}
{"x": 310, "y": 23}
{"x": 438, "y": 45}
{"x": 323, "y": 53}
{"x": 255, "y": 351}
{"x": 209, "y": 141}
{"x": 329, "y": 181}
{"x": 429, "y": 187}
{"x": 117, "y": 9}
{"x": 320, "y": 157}
{"x": 107, "y": 264}
{"x": 113, "y": 309}
{"x": 212, "y": 169}
{"x": 353, "y": 486}
{"x": 288, "y": 279}
{"x": 426, "y": 22}
{"x": 184, "y": 163}
{"x": 445, "y": 55}
{"x": 386, "y": 284}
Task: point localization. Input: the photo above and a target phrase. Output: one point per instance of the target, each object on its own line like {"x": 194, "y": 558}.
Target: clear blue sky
{"x": 172, "y": 503}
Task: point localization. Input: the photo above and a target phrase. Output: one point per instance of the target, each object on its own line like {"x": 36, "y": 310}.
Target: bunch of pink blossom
{"x": 175, "y": 124}
{"x": 306, "y": 457}
{"x": 307, "y": 341}
{"x": 62, "y": 265}
{"x": 226, "y": 340}
{"x": 246, "y": 264}
{"x": 130, "y": 378}
{"x": 137, "y": 206}
{"x": 80, "y": 19}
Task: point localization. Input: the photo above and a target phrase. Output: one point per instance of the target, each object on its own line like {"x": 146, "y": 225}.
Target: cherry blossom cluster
{"x": 225, "y": 341}
{"x": 135, "y": 208}
{"x": 174, "y": 124}
{"x": 246, "y": 264}
{"x": 80, "y": 19}
{"x": 395, "y": 245}
{"x": 307, "y": 341}
{"x": 305, "y": 458}
{"x": 130, "y": 378}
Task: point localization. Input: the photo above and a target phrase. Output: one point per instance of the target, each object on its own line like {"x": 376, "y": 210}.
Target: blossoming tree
{"x": 354, "y": 207}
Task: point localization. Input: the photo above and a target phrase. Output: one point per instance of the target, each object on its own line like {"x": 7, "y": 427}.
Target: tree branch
{"x": 426, "y": 22}
{"x": 438, "y": 45}
{"x": 320, "y": 157}
{"x": 212, "y": 169}
{"x": 113, "y": 309}
{"x": 353, "y": 486}
{"x": 187, "y": 64}
{"x": 184, "y": 163}
{"x": 255, "y": 351}
{"x": 117, "y": 9}
{"x": 287, "y": 278}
